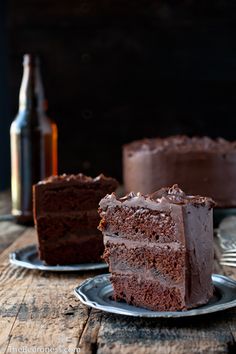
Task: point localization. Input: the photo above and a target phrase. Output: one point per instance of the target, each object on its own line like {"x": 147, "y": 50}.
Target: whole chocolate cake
{"x": 66, "y": 217}
{"x": 159, "y": 248}
{"x": 199, "y": 165}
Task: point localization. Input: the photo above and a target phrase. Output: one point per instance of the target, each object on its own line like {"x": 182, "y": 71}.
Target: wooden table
{"x": 39, "y": 313}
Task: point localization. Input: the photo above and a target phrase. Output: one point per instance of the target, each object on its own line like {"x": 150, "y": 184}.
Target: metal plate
{"x": 28, "y": 258}
{"x": 97, "y": 292}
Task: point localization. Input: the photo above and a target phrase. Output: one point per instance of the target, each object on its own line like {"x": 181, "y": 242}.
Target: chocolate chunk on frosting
{"x": 175, "y": 195}
{"x": 171, "y": 195}
{"x": 80, "y": 177}
{"x": 180, "y": 144}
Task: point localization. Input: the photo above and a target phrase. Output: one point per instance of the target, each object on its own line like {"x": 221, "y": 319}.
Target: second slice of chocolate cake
{"x": 159, "y": 248}
{"x": 66, "y": 218}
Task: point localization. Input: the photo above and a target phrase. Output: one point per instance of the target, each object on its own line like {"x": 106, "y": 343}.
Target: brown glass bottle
{"x": 33, "y": 141}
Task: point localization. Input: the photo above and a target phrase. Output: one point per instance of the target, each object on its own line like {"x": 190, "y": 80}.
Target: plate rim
{"x": 14, "y": 259}
{"x": 156, "y": 314}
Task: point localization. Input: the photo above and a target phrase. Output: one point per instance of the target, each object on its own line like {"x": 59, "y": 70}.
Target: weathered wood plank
{"x": 88, "y": 340}
{"x": 39, "y": 309}
{"x": 205, "y": 334}
{"x": 13, "y": 287}
{"x": 9, "y": 232}
{"x": 49, "y": 315}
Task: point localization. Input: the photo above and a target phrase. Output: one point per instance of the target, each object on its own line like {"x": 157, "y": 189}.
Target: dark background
{"x": 115, "y": 71}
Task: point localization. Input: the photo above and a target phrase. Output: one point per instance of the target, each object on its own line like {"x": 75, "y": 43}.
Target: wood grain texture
{"x": 88, "y": 341}
{"x": 39, "y": 310}
{"x": 203, "y": 334}
{"x": 199, "y": 335}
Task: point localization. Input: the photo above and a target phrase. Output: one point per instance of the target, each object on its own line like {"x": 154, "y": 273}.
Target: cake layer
{"x": 139, "y": 224}
{"x": 139, "y": 291}
{"x": 71, "y": 198}
{"x": 55, "y": 226}
{"x": 71, "y": 192}
{"x": 74, "y": 249}
{"x": 155, "y": 217}
{"x": 164, "y": 261}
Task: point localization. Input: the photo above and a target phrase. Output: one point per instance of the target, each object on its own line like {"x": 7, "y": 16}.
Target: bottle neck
{"x": 31, "y": 92}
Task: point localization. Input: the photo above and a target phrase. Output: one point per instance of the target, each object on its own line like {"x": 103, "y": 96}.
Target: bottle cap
{"x": 31, "y": 59}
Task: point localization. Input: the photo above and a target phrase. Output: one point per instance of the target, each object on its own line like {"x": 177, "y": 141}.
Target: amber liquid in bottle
{"x": 33, "y": 142}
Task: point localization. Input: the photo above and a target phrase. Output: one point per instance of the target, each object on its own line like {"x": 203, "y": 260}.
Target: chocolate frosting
{"x": 199, "y": 165}
{"x": 180, "y": 144}
{"x": 154, "y": 201}
{"x": 80, "y": 177}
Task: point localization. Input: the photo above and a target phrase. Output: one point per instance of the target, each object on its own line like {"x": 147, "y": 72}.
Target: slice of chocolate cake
{"x": 66, "y": 217}
{"x": 159, "y": 248}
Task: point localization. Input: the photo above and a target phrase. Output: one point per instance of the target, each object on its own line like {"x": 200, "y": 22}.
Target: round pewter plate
{"x": 28, "y": 258}
{"x": 97, "y": 292}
